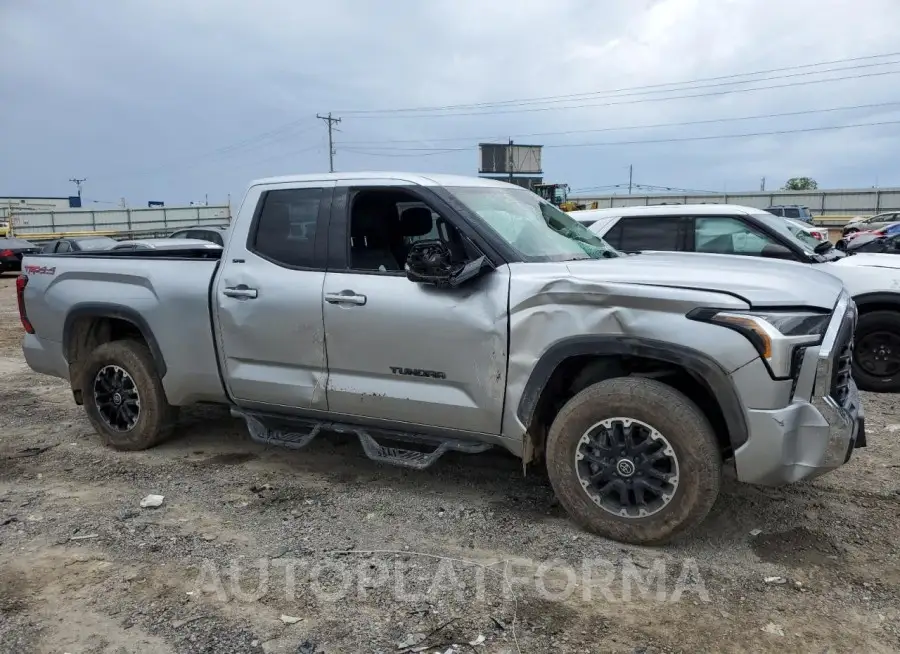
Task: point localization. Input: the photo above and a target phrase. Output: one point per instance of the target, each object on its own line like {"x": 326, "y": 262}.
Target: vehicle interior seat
{"x": 371, "y": 220}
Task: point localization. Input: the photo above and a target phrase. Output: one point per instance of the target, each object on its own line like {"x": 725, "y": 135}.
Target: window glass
{"x": 651, "y": 233}
{"x": 722, "y": 235}
{"x": 286, "y": 228}
{"x": 533, "y": 227}
{"x": 64, "y": 247}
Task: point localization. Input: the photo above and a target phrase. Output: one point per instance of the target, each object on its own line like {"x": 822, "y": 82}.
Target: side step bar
{"x": 392, "y": 454}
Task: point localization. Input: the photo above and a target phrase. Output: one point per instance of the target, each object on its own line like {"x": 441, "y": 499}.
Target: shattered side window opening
{"x": 536, "y": 229}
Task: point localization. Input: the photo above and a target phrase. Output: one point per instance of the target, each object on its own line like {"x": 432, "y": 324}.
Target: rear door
{"x": 402, "y": 353}
{"x": 267, "y": 298}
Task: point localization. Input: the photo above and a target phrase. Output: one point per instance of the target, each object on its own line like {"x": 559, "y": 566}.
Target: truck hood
{"x": 759, "y": 282}
{"x": 870, "y": 260}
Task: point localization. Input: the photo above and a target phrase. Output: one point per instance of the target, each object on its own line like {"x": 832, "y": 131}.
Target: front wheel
{"x": 634, "y": 460}
{"x": 876, "y": 352}
{"x": 124, "y": 398}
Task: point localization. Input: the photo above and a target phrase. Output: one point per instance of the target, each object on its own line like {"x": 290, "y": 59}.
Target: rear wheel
{"x": 876, "y": 352}
{"x": 634, "y": 460}
{"x": 124, "y": 397}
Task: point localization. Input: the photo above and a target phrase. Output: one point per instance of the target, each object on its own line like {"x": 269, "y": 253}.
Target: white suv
{"x": 872, "y": 279}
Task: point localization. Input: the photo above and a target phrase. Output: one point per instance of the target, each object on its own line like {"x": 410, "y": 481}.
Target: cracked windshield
{"x": 532, "y": 226}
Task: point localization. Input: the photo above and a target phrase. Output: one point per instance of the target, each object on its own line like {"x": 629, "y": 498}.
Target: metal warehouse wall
{"x": 836, "y": 202}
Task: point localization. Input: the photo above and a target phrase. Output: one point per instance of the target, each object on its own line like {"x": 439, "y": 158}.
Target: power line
{"x": 579, "y": 96}
{"x": 666, "y": 140}
{"x": 641, "y": 100}
{"x": 877, "y": 105}
{"x": 331, "y": 122}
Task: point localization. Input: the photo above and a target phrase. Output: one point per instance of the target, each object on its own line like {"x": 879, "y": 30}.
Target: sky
{"x": 187, "y": 100}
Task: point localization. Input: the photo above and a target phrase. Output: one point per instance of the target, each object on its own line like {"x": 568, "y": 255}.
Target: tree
{"x": 800, "y": 184}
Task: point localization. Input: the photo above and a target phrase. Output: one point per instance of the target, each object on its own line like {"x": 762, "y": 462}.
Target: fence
{"x": 835, "y": 203}
{"x": 39, "y": 225}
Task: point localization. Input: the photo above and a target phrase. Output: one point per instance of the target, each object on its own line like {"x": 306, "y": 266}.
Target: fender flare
{"x": 119, "y": 312}
{"x": 705, "y": 369}
{"x": 879, "y": 297}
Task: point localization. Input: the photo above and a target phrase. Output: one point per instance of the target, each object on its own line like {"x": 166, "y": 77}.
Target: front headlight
{"x": 776, "y": 335}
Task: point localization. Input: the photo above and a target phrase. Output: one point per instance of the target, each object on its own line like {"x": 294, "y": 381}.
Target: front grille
{"x": 843, "y": 362}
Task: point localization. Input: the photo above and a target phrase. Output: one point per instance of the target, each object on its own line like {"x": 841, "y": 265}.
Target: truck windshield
{"x": 533, "y": 227}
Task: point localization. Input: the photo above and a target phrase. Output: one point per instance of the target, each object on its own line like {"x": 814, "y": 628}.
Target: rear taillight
{"x": 21, "y": 283}
{"x": 879, "y": 232}
{"x": 819, "y": 236}
{"x": 7, "y": 253}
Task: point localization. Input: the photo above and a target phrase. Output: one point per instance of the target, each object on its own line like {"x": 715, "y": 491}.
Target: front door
{"x": 268, "y": 299}
{"x": 402, "y": 352}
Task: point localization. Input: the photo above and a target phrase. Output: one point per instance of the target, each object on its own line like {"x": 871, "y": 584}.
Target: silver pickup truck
{"x": 433, "y": 313}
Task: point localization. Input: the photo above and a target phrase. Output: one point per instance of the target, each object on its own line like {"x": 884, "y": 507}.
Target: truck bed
{"x": 166, "y": 296}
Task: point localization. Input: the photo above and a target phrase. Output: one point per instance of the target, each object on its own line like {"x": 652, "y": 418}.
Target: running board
{"x": 307, "y": 430}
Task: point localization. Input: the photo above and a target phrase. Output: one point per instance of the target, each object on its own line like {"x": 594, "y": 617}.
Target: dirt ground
{"x": 321, "y": 551}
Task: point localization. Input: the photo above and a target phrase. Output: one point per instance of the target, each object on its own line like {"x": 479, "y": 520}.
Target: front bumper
{"x": 799, "y": 442}
{"x": 818, "y": 430}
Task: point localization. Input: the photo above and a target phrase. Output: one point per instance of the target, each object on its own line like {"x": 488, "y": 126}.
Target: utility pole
{"x": 331, "y": 122}
{"x": 78, "y": 182}
{"x": 630, "y": 177}
{"x": 762, "y": 184}
{"x": 509, "y": 162}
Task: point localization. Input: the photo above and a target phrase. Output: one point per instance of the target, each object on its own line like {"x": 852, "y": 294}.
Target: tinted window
{"x": 614, "y": 236}
{"x": 776, "y": 211}
{"x": 721, "y": 235}
{"x": 64, "y": 246}
{"x": 286, "y": 227}
{"x": 652, "y": 233}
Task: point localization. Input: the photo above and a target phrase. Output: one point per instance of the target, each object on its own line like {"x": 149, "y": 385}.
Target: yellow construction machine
{"x": 558, "y": 194}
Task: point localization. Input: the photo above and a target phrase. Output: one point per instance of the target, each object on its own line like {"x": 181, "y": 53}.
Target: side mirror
{"x": 777, "y": 251}
{"x": 823, "y": 247}
{"x": 430, "y": 262}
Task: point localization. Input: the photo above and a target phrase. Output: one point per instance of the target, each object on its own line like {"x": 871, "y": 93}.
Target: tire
{"x": 155, "y": 417}
{"x": 679, "y": 421}
{"x": 878, "y": 328}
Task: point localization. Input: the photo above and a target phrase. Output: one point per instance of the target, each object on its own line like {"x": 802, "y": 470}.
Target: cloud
{"x": 166, "y": 100}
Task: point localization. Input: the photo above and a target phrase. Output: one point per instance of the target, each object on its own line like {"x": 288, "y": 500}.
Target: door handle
{"x": 345, "y": 297}
{"x": 241, "y": 291}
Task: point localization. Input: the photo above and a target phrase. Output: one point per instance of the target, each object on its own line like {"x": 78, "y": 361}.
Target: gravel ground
{"x": 265, "y": 550}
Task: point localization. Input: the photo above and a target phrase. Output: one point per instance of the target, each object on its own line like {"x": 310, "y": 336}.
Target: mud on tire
{"x": 637, "y": 440}
{"x": 124, "y": 398}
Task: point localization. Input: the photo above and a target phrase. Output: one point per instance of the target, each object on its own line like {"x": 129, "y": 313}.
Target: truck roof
{"x": 664, "y": 210}
{"x": 420, "y": 179}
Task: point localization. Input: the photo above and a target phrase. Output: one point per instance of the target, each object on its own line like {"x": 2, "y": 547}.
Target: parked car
{"x": 633, "y": 378}
{"x": 11, "y": 252}
{"x": 871, "y": 223}
{"x": 806, "y": 232}
{"x": 872, "y": 279}
{"x": 798, "y": 211}
{"x": 873, "y": 242}
{"x": 165, "y": 244}
{"x": 215, "y": 235}
{"x": 888, "y": 230}
{"x": 77, "y": 244}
